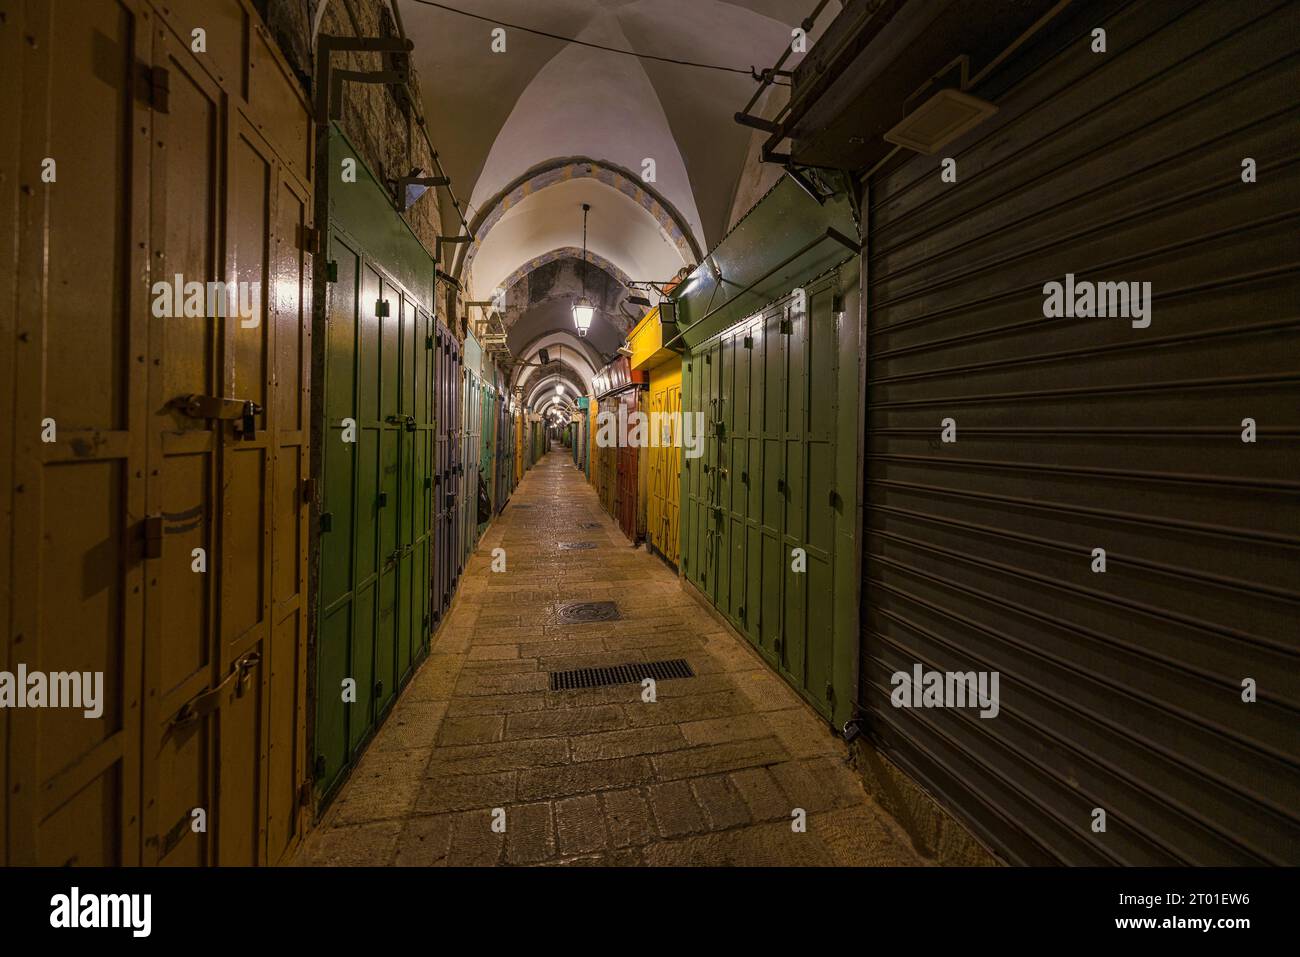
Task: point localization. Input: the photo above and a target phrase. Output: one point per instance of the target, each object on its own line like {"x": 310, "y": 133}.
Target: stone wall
{"x": 381, "y": 121}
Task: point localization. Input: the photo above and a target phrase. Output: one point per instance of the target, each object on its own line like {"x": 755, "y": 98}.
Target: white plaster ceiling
{"x": 497, "y": 117}
{"x": 618, "y": 228}
{"x": 562, "y": 346}
{"x": 544, "y": 98}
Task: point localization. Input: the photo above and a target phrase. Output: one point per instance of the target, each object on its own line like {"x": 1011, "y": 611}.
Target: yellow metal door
{"x": 664, "y": 458}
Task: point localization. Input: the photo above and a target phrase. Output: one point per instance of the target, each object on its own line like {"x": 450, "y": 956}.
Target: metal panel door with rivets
{"x": 167, "y": 500}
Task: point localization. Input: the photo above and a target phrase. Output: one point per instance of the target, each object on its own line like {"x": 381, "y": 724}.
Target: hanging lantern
{"x": 582, "y": 314}
{"x": 583, "y": 311}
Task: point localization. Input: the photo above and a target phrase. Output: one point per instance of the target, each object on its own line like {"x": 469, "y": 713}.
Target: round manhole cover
{"x": 590, "y": 611}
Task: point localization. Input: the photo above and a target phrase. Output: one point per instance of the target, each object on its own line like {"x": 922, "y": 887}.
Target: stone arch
{"x": 671, "y": 224}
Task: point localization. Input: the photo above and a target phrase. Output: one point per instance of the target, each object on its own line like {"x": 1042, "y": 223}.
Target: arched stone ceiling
{"x": 549, "y": 121}
{"x": 540, "y": 390}
{"x": 619, "y": 230}
{"x": 544, "y": 97}
{"x": 561, "y": 346}
{"x": 530, "y": 134}
{"x": 672, "y": 226}
{"x": 604, "y": 337}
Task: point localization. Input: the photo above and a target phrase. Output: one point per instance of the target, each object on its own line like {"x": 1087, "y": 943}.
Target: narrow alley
{"x": 713, "y": 771}
{"x": 642, "y": 433}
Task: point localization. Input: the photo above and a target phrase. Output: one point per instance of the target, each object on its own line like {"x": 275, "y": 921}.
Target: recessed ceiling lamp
{"x": 583, "y": 309}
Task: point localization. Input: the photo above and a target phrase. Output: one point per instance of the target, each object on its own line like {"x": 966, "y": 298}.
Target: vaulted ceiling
{"x": 530, "y": 134}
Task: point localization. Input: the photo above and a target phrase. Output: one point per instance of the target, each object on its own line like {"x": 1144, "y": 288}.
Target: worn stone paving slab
{"x": 480, "y": 764}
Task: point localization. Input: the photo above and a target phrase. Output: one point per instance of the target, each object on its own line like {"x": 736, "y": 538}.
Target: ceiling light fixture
{"x": 582, "y": 309}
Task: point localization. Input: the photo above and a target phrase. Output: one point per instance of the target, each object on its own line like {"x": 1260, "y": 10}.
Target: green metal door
{"x": 759, "y": 531}
{"x": 375, "y": 521}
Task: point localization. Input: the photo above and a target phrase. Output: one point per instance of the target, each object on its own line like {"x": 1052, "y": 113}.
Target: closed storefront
{"x": 771, "y": 436}
{"x": 487, "y": 463}
{"x": 159, "y": 426}
{"x": 449, "y": 471}
{"x": 1096, "y": 503}
{"x": 377, "y": 533}
{"x": 762, "y": 503}
{"x": 616, "y": 461}
{"x": 661, "y": 458}
{"x": 471, "y": 446}
{"x": 505, "y": 453}
{"x": 521, "y": 447}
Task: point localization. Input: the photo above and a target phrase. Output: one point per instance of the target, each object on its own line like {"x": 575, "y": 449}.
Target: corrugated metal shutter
{"x": 1119, "y": 690}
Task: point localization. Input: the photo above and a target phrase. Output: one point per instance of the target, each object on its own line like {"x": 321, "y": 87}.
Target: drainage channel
{"x": 626, "y": 674}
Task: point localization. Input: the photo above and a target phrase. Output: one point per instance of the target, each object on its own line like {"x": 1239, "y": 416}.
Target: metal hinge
{"x": 331, "y": 271}
{"x": 308, "y": 490}
{"x": 160, "y": 86}
{"x": 311, "y": 240}
{"x": 749, "y": 342}
{"x": 787, "y": 327}
{"x": 327, "y": 521}
{"x": 153, "y": 536}
{"x": 381, "y": 308}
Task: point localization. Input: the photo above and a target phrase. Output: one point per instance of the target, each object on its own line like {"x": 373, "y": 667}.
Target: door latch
{"x": 206, "y": 702}
{"x": 220, "y": 408}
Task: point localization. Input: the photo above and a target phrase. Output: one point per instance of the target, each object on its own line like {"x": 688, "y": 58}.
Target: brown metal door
{"x": 78, "y": 360}
{"x": 168, "y": 536}
{"x": 181, "y": 654}
{"x": 225, "y": 647}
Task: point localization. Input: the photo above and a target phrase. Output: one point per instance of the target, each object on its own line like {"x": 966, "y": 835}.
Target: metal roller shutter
{"x": 1123, "y": 690}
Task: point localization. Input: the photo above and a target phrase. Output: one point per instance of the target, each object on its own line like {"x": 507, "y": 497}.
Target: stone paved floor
{"x": 709, "y": 774}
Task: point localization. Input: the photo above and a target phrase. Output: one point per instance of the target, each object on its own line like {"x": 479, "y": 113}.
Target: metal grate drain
{"x": 590, "y": 611}
{"x": 632, "y": 673}
{"x": 571, "y": 546}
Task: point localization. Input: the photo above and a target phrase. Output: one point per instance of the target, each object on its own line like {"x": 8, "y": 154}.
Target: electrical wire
{"x": 749, "y": 72}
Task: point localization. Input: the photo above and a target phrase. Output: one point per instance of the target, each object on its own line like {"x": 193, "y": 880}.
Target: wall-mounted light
{"x": 415, "y": 184}
{"x": 940, "y": 120}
